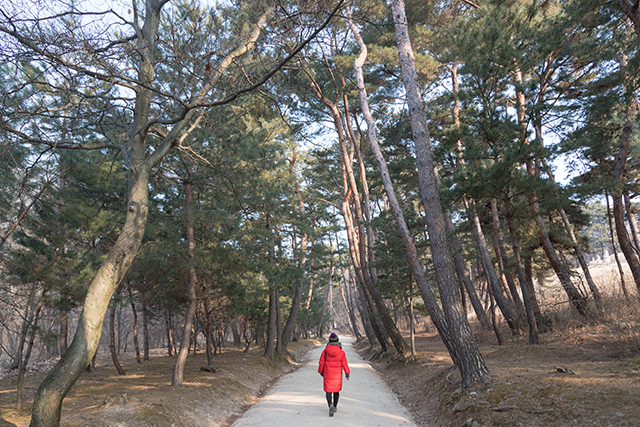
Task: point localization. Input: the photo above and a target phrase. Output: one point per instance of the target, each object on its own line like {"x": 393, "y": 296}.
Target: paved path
{"x": 297, "y": 399}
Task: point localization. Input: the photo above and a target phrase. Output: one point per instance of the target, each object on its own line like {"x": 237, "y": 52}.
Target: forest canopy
{"x": 257, "y": 171}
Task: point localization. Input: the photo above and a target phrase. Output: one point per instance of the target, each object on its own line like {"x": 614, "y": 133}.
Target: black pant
{"x": 336, "y": 396}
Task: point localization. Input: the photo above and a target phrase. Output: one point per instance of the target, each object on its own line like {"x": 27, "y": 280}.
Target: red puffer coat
{"x": 331, "y": 367}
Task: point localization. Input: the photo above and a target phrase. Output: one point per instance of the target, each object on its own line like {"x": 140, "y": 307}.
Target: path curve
{"x": 297, "y": 399}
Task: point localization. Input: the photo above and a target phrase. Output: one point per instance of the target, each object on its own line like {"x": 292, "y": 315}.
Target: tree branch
{"x": 27, "y": 138}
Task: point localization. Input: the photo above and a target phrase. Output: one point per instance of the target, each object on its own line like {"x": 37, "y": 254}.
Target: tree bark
{"x": 528, "y": 293}
{"x": 24, "y": 331}
{"x": 623, "y": 284}
{"x": 463, "y": 275}
{"x": 618, "y": 206}
{"x": 576, "y": 247}
{"x": 325, "y": 300}
{"x": 64, "y": 331}
{"x": 461, "y": 265}
{"x": 181, "y": 360}
{"x": 135, "y": 324}
{"x": 410, "y": 248}
{"x": 24, "y": 361}
{"x": 469, "y": 360}
{"x": 487, "y": 264}
{"x": 363, "y": 261}
{"x": 287, "y": 332}
{"x": 167, "y": 325}
{"x": 504, "y": 260}
{"x": 207, "y": 330}
{"x": 145, "y": 328}
{"x": 270, "y": 344}
{"x": 633, "y": 224}
{"x": 112, "y": 339}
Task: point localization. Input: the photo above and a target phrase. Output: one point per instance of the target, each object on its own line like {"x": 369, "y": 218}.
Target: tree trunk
{"x": 310, "y": 295}
{"x": 412, "y": 328}
{"x": 576, "y": 247}
{"x": 410, "y": 248}
{"x": 623, "y": 284}
{"x": 633, "y": 224}
{"x": 112, "y": 336}
{"x": 504, "y": 261}
{"x": 461, "y": 266}
{"x": 24, "y": 361}
{"x": 359, "y": 272}
{"x": 487, "y": 264}
{"x": 346, "y": 300}
{"x": 365, "y": 317}
{"x": 360, "y": 238}
{"x": 181, "y": 360}
{"x": 469, "y": 360}
{"x": 576, "y": 298}
{"x": 287, "y": 332}
{"x": 463, "y": 275}
{"x": 270, "y": 344}
{"x": 64, "y": 331}
{"x": 167, "y": 324}
{"x": 135, "y": 324}
{"x": 618, "y": 206}
{"x": 494, "y": 321}
{"x": 278, "y": 324}
{"x": 28, "y": 314}
{"x": 48, "y": 400}
{"x": 145, "y": 329}
{"x": 325, "y": 301}
{"x": 207, "y": 330}
{"x": 528, "y": 294}
{"x": 630, "y": 8}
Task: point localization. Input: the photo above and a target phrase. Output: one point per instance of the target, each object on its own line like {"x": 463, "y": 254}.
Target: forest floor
{"x": 599, "y": 384}
{"x": 581, "y": 375}
{"x": 144, "y": 396}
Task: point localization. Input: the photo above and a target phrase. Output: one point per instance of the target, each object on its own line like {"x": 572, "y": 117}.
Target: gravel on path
{"x": 297, "y": 399}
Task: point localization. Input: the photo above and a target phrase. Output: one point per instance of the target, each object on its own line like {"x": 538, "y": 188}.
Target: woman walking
{"x": 332, "y": 362}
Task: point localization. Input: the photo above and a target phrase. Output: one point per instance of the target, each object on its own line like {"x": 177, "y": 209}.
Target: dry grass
{"x": 145, "y": 397}
{"x": 600, "y": 385}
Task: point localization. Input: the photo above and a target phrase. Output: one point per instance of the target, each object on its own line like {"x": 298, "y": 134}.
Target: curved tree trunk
{"x": 618, "y": 206}
{"x": 633, "y": 224}
{"x": 469, "y": 360}
{"x": 494, "y": 283}
{"x": 112, "y": 338}
{"x": 363, "y": 260}
{"x": 181, "y": 360}
{"x": 504, "y": 261}
{"x": 623, "y": 284}
{"x": 412, "y": 254}
{"x": 463, "y": 275}
{"x": 576, "y": 247}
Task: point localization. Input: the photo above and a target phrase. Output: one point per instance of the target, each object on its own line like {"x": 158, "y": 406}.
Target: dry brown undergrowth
{"x": 581, "y": 375}
{"x": 144, "y": 397}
